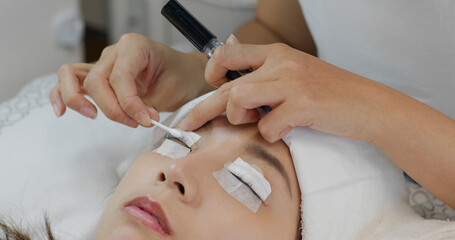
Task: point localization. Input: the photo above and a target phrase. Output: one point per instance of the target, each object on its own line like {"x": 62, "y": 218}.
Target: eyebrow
{"x": 261, "y": 153}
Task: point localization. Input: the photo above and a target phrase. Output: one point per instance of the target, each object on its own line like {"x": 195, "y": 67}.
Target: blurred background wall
{"x": 30, "y": 45}
{"x": 39, "y": 36}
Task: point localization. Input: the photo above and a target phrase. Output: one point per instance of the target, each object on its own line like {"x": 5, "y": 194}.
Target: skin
{"x": 205, "y": 210}
{"x": 130, "y": 82}
{"x": 303, "y": 90}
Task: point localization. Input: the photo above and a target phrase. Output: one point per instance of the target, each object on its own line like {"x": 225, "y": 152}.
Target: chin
{"x": 122, "y": 233}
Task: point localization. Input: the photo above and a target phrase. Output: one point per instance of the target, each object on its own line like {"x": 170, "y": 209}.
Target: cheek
{"x": 222, "y": 217}
{"x": 140, "y": 173}
{"x": 228, "y": 219}
{"x": 132, "y": 184}
{"x": 234, "y": 224}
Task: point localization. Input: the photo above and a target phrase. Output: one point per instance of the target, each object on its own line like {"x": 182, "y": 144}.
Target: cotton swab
{"x": 174, "y": 132}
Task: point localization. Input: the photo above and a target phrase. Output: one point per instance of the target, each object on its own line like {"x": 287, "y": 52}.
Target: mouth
{"x": 148, "y": 213}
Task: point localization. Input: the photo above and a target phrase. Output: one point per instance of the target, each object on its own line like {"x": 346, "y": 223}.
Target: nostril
{"x": 161, "y": 177}
{"x": 181, "y": 188}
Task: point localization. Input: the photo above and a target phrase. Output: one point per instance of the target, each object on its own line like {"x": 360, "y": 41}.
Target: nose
{"x": 182, "y": 180}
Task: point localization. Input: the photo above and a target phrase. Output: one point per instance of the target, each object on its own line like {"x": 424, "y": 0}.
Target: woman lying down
{"x": 229, "y": 183}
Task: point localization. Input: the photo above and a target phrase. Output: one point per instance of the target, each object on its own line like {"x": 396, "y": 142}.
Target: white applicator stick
{"x": 174, "y": 132}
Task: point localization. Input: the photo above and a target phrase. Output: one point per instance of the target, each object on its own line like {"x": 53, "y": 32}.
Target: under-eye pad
{"x": 237, "y": 189}
{"x": 189, "y": 138}
{"x": 251, "y": 176}
{"x": 172, "y": 149}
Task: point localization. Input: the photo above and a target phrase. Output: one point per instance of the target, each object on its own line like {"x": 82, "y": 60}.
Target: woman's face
{"x": 193, "y": 204}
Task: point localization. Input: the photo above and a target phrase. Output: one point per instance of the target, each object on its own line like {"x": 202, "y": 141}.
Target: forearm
{"x": 258, "y": 31}
{"x": 254, "y": 32}
{"x": 421, "y": 141}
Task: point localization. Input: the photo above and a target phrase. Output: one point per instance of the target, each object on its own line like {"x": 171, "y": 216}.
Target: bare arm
{"x": 421, "y": 141}
{"x": 278, "y": 21}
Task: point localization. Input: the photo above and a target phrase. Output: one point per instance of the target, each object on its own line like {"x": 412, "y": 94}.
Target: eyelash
{"x": 252, "y": 177}
{"x": 171, "y": 137}
{"x": 246, "y": 184}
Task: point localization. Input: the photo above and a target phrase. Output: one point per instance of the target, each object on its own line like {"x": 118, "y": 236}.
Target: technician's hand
{"x": 132, "y": 80}
{"x": 302, "y": 90}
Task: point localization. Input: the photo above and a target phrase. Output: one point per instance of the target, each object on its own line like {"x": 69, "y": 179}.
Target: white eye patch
{"x": 172, "y": 149}
{"x": 232, "y": 184}
{"x": 189, "y": 138}
{"x": 251, "y": 176}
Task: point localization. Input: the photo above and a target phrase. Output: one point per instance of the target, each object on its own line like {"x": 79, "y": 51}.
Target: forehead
{"x": 219, "y": 130}
{"x": 221, "y": 134}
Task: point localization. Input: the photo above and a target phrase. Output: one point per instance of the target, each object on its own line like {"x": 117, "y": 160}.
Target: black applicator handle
{"x": 204, "y": 40}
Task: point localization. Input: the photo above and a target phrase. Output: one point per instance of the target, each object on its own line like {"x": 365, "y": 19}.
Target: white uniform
{"x": 406, "y": 44}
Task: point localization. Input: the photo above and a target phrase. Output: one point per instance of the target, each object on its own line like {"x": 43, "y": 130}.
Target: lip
{"x": 149, "y": 213}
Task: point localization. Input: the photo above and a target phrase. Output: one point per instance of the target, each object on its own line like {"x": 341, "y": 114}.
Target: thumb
{"x": 232, "y": 39}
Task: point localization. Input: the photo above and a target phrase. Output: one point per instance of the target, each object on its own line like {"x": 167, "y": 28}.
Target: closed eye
{"x": 246, "y": 184}
{"x": 171, "y": 137}
{"x": 251, "y": 176}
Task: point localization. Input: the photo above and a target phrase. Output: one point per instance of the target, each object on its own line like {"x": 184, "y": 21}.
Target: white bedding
{"x": 66, "y": 167}
{"x": 352, "y": 190}
{"x": 70, "y": 166}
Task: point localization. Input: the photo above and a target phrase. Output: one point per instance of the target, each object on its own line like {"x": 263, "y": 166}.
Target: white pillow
{"x": 66, "y": 167}
{"x": 352, "y": 190}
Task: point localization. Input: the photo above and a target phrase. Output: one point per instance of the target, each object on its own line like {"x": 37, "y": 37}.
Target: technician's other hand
{"x": 133, "y": 79}
{"x": 302, "y": 90}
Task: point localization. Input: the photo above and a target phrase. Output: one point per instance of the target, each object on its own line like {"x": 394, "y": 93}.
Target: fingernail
{"x": 154, "y": 114}
{"x": 185, "y": 124}
{"x": 56, "y": 110}
{"x": 285, "y": 132}
{"x": 130, "y": 122}
{"x": 143, "y": 118}
{"x": 232, "y": 39}
{"x": 88, "y": 112}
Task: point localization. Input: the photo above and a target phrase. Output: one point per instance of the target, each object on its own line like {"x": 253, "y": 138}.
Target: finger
{"x": 129, "y": 66}
{"x": 98, "y": 87}
{"x": 70, "y": 91}
{"x": 245, "y": 98}
{"x": 233, "y": 57}
{"x": 232, "y": 39}
{"x": 241, "y": 115}
{"x": 281, "y": 120}
{"x": 216, "y": 103}
{"x": 208, "y": 109}
{"x": 57, "y": 102}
